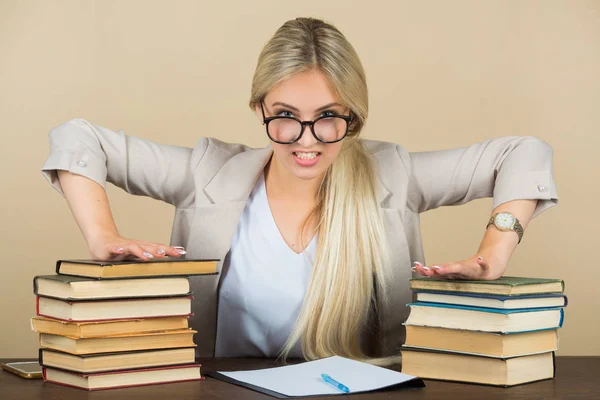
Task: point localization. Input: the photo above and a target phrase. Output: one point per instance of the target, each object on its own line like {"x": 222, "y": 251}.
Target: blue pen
{"x": 335, "y": 383}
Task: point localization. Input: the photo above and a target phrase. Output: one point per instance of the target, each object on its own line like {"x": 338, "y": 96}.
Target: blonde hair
{"x": 351, "y": 264}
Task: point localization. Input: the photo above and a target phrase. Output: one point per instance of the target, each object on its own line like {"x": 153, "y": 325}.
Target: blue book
{"x": 493, "y": 301}
{"x": 485, "y": 319}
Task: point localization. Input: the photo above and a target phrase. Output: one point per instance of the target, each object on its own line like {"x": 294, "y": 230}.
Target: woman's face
{"x": 305, "y": 96}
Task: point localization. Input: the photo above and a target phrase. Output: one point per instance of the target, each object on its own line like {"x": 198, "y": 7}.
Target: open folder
{"x": 304, "y": 379}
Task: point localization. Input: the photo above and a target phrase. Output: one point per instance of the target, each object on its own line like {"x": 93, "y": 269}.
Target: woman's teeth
{"x": 306, "y": 156}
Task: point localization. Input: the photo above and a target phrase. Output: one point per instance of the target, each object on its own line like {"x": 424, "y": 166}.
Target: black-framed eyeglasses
{"x": 287, "y": 130}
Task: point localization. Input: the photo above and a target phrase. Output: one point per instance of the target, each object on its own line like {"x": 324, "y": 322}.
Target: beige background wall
{"x": 441, "y": 74}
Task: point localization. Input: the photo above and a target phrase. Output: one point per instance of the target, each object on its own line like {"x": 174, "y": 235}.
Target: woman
{"x": 317, "y": 232}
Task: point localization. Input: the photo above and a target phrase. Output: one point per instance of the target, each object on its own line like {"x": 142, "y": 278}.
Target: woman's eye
{"x": 328, "y": 114}
{"x": 285, "y": 113}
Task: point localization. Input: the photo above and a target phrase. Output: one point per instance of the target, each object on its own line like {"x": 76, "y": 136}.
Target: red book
{"x": 123, "y": 379}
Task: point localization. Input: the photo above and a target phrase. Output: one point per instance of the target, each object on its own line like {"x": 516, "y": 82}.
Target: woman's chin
{"x": 305, "y": 173}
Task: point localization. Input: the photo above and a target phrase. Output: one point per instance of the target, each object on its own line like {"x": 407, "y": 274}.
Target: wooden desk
{"x": 576, "y": 378}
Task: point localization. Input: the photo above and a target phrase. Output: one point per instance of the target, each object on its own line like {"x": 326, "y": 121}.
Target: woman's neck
{"x": 282, "y": 184}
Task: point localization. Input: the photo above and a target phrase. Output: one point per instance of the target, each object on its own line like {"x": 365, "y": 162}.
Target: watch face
{"x": 504, "y": 220}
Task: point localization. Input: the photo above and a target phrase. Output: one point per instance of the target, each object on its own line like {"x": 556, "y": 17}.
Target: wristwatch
{"x": 505, "y": 221}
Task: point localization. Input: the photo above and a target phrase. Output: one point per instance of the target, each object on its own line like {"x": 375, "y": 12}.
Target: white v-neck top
{"x": 263, "y": 285}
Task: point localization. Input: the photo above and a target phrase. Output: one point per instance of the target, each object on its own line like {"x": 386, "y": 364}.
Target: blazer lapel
{"x": 219, "y": 206}
{"x": 236, "y": 179}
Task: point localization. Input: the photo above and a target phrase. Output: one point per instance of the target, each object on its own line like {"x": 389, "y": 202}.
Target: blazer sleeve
{"x": 138, "y": 166}
{"x": 506, "y": 168}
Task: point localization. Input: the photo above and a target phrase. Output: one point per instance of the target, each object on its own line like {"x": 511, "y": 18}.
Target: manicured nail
{"x": 161, "y": 251}
{"x": 120, "y": 249}
{"x": 182, "y": 252}
{"x": 427, "y": 268}
{"x": 480, "y": 258}
{"x": 146, "y": 254}
{"x": 436, "y": 267}
{"x": 417, "y": 263}
{"x": 179, "y": 247}
{"x": 414, "y": 269}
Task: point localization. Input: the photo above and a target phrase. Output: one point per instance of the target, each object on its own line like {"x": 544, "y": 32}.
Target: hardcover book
{"x": 99, "y": 310}
{"x": 505, "y": 285}
{"x": 123, "y": 379}
{"x": 481, "y": 343}
{"x": 136, "y": 268}
{"x": 104, "y": 362}
{"x": 68, "y": 287}
{"x": 110, "y": 344}
{"x": 484, "y": 319}
{"x": 493, "y": 300}
{"x": 478, "y": 369}
{"x": 107, "y": 328}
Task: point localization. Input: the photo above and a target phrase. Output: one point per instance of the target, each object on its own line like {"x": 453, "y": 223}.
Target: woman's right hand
{"x": 89, "y": 205}
{"x": 117, "y": 248}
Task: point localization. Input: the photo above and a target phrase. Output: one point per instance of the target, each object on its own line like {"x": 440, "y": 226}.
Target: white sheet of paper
{"x": 305, "y": 379}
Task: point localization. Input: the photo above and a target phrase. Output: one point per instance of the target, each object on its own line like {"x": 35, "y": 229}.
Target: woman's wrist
{"x": 101, "y": 237}
{"x": 497, "y": 256}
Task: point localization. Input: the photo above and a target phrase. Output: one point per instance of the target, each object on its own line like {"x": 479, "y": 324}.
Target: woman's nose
{"x": 307, "y": 138}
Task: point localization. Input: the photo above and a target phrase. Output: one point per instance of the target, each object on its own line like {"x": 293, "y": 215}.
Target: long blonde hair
{"x": 351, "y": 262}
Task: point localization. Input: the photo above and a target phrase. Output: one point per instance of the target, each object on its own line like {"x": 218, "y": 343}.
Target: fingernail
{"x": 146, "y": 254}
{"x": 161, "y": 251}
{"x": 179, "y": 247}
{"x": 120, "y": 249}
{"x": 413, "y": 269}
{"x": 480, "y": 258}
{"x": 182, "y": 252}
{"x": 427, "y": 268}
{"x": 436, "y": 267}
{"x": 417, "y": 263}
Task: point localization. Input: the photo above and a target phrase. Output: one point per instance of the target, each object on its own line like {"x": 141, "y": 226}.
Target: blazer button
{"x": 541, "y": 188}
{"x": 81, "y": 164}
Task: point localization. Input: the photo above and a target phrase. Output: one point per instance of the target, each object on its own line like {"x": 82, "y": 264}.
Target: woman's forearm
{"x": 89, "y": 205}
{"x": 498, "y": 246}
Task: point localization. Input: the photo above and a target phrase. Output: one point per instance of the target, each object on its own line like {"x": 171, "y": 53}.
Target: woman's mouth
{"x": 306, "y": 158}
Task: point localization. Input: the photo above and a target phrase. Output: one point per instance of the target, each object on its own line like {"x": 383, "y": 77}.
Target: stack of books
{"x": 120, "y": 324}
{"x": 501, "y": 332}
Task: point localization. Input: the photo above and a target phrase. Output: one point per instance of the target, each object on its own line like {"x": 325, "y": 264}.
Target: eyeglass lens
{"x": 328, "y": 129}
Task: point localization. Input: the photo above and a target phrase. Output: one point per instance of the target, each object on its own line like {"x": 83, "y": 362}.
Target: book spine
{"x": 35, "y": 285}
{"x": 562, "y": 318}
{"x": 37, "y": 305}
{"x": 41, "y": 357}
{"x": 58, "y": 267}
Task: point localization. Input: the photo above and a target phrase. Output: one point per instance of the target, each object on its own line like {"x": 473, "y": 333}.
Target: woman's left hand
{"x": 474, "y": 268}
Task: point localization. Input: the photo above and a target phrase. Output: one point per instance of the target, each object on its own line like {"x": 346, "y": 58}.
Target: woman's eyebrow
{"x": 326, "y": 106}
{"x": 279, "y": 103}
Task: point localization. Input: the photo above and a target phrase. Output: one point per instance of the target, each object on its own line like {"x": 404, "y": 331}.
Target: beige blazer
{"x": 210, "y": 183}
